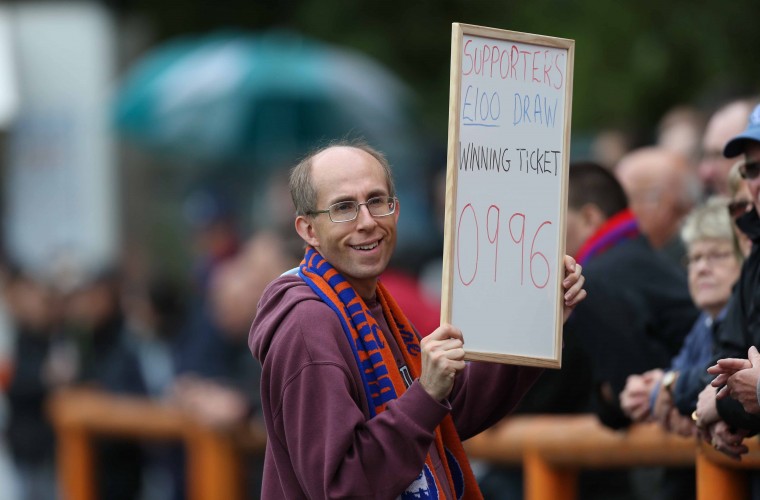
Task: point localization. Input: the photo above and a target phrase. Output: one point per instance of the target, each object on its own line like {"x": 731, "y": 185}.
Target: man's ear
{"x": 305, "y": 230}
{"x": 592, "y": 216}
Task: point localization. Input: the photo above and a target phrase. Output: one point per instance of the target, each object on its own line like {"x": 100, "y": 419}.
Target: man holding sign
{"x": 356, "y": 404}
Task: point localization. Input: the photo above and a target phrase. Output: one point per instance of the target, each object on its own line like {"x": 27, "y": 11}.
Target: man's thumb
{"x": 754, "y": 356}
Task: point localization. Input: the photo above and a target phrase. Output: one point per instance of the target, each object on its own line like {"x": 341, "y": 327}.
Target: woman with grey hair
{"x": 713, "y": 262}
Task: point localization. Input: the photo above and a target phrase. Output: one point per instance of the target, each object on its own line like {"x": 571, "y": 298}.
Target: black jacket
{"x": 741, "y": 328}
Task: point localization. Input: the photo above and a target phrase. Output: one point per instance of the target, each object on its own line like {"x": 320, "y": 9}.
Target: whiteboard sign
{"x": 508, "y": 156}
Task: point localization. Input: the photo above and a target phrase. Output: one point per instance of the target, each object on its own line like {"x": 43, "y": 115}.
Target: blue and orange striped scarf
{"x": 381, "y": 376}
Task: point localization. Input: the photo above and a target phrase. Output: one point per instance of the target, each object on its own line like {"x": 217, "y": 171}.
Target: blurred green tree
{"x": 634, "y": 60}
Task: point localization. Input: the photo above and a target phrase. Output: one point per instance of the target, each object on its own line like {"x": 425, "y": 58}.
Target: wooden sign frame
{"x": 551, "y": 359}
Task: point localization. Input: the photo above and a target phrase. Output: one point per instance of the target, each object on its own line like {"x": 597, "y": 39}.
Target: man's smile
{"x": 366, "y": 246}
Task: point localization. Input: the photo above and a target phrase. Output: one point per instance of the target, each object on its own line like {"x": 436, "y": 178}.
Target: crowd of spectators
{"x": 177, "y": 340}
{"x": 665, "y": 233}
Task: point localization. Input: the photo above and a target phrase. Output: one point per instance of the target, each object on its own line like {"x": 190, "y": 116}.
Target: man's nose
{"x": 364, "y": 217}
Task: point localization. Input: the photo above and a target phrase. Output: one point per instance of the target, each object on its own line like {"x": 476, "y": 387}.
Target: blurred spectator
{"x": 199, "y": 346}
{"x": 215, "y": 234}
{"x": 35, "y": 373}
{"x": 724, "y": 124}
{"x": 218, "y": 380}
{"x": 154, "y": 310}
{"x": 7, "y": 336}
{"x": 661, "y": 190}
{"x": 7, "y": 359}
{"x": 609, "y": 146}
{"x": 235, "y": 289}
{"x": 78, "y": 338}
{"x": 680, "y": 130}
{"x": 107, "y": 360}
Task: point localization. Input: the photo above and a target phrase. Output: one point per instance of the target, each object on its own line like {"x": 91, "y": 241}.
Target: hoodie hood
{"x": 276, "y": 302}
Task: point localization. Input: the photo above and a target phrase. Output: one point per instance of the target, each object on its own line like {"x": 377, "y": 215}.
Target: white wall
{"x": 60, "y": 189}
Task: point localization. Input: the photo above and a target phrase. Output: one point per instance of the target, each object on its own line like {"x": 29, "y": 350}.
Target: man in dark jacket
{"x": 724, "y": 421}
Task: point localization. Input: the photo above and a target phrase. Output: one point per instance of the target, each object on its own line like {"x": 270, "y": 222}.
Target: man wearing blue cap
{"x": 722, "y": 419}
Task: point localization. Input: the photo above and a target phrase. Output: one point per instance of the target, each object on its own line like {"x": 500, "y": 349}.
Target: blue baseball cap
{"x": 735, "y": 146}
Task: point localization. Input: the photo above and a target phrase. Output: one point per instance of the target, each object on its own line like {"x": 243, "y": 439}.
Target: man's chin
{"x": 367, "y": 272}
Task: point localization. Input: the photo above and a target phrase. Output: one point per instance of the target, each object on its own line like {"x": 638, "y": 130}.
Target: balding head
{"x": 724, "y": 124}
{"x": 302, "y": 189}
{"x": 660, "y": 190}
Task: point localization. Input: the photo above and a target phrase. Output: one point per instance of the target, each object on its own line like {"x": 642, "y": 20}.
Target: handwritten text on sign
{"x": 510, "y": 163}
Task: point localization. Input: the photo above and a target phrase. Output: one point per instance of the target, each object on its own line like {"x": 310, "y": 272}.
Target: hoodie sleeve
{"x": 486, "y": 393}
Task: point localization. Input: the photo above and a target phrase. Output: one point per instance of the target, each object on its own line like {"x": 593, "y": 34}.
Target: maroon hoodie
{"x": 321, "y": 440}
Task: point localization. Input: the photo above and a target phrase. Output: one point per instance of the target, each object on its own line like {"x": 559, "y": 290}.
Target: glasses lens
{"x": 382, "y": 205}
{"x": 343, "y": 211}
{"x": 709, "y": 258}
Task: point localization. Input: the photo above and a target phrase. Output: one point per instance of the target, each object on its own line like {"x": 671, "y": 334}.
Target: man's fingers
{"x": 638, "y": 392}
{"x": 638, "y": 412}
{"x": 652, "y": 375}
{"x": 733, "y": 364}
{"x": 573, "y": 282}
{"x": 445, "y": 331}
{"x": 450, "y": 343}
{"x": 732, "y": 448}
{"x": 572, "y": 274}
{"x": 571, "y": 266}
{"x": 724, "y": 392}
{"x": 720, "y": 380}
{"x": 734, "y": 453}
{"x": 459, "y": 365}
{"x": 714, "y": 369}
{"x": 454, "y": 354}
{"x": 576, "y": 293}
{"x": 754, "y": 356}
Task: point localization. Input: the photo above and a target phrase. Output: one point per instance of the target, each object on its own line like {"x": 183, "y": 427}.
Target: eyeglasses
{"x": 737, "y": 208}
{"x": 749, "y": 170}
{"x": 711, "y": 258}
{"x": 346, "y": 211}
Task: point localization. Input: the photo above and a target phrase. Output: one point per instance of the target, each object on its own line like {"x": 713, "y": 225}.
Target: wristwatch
{"x": 669, "y": 381}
